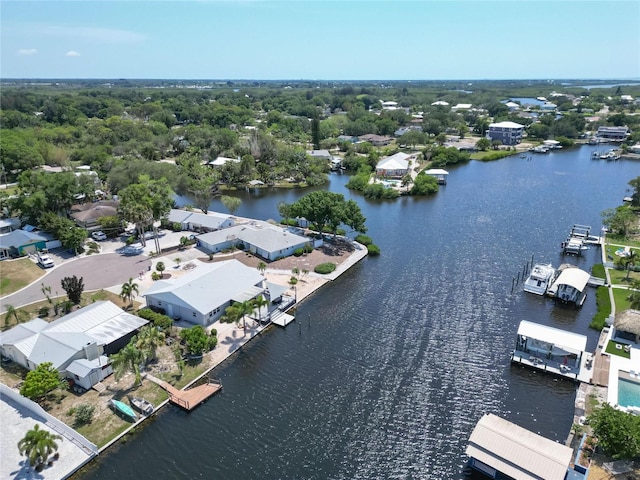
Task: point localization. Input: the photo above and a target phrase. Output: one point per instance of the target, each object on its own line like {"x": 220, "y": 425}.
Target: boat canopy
{"x": 517, "y": 452}
{"x": 567, "y": 341}
{"x": 436, "y": 171}
{"x": 574, "y": 277}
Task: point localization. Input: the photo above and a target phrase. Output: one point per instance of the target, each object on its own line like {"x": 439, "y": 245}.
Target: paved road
{"x": 97, "y": 271}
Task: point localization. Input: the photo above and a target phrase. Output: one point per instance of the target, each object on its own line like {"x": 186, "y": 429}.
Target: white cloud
{"x": 27, "y": 51}
{"x": 107, "y": 35}
{"x": 72, "y": 53}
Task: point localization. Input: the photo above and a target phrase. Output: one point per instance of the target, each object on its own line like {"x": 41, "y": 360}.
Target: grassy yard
{"x": 621, "y": 240}
{"x": 615, "y": 348}
{"x": 619, "y": 277}
{"x": 16, "y": 274}
{"x": 620, "y": 299}
{"x": 31, "y": 311}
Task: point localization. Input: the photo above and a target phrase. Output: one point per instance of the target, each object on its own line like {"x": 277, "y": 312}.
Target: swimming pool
{"x": 628, "y": 393}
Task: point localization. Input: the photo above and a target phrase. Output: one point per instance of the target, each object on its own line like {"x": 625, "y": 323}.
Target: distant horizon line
{"x": 120, "y": 79}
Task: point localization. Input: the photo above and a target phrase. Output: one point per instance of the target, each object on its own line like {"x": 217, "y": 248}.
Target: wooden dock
{"x": 189, "y": 398}
{"x": 601, "y": 362}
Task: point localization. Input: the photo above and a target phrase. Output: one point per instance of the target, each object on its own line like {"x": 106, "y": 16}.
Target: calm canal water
{"x": 387, "y": 370}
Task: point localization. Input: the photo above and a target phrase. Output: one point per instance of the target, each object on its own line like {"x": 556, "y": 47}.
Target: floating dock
{"x": 283, "y": 319}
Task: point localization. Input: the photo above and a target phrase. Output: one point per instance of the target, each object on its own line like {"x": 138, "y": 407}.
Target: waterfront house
{"x": 270, "y": 242}
{"x": 321, "y": 154}
{"x": 509, "y": 133}
{"x": 200, "y": 222}
{"x": 202, "y": 295}
{"x": 501, "y": 449}
{"x": 77, "y": 344}
{"x": 551, "y": 349}
{"x": 394, "y": 166}
{"x": 615, "y": 134}
{"x": 626, "y": 327}
{"x": 569, "y": 286}
{"x": 440, "y": 103}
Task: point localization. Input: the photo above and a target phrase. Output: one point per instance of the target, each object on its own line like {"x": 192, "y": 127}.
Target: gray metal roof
{"x": 262, "y": 235}
{"x": 83, "y": 367}
{"x": 208, "y": 220}
{"x": 58, "y": 341}
{"x": 22, "y": 331}
{"x": 517, "y": 452}
{"x": 208, "y": 286}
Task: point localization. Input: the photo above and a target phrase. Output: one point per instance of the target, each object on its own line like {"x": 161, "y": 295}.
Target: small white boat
{"x": 539, "y": 279}
{"x": 142, "y": 405}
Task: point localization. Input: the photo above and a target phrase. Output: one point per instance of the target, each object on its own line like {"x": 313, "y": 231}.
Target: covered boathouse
{"x": 553, "y": 350}
{"x": 569, "y": 285}
{"x": 503, "y": 450}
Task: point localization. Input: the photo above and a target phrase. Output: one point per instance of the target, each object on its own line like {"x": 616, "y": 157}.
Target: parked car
{"x": 45, "y": 260}
{"x": 99, "y": 235}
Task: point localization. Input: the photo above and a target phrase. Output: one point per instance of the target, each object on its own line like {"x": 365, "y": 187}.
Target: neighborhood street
{"x": 97, "y": 271}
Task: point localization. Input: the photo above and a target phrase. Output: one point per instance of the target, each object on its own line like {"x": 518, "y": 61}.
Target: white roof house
{"x": 220, "y": 161}
{"x": 201, "y": 296}
{"x": 499, "y": 445}
{"x": 394, "y": 166}
{"x": 89, "y": 333}
{"x": 323, "y": 154}
{"x": 440, "y": 103}
{"x": 462, "y": 106}
{"x": 261, "y": 238}
{"x": 200, "y": 221}
{"x": 505, "y": 125}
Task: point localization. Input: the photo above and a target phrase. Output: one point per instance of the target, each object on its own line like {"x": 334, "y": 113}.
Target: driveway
{"x": 97, "y": 271}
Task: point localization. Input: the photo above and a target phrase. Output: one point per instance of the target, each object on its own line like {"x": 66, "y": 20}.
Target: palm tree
{"x": 129, "y": 290}
{"x": 128, "y": 359}
{"x": 262, "y": 267}
{"x": 629, "y": 261}
{"x": 37, "y": 445}
{"x": 244, "y": 308}
{"x": 148, "y": 341}
{"x": 160, "y": 267}
{"x": 634, "y": 295}
{"x": 260, "y": 302}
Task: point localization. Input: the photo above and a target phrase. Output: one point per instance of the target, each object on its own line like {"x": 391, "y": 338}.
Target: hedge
{"x": 325, "y": 268}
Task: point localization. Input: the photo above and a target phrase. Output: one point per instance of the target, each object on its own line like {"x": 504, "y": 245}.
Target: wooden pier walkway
{"x": 601, "y": 362}
{"x": 189, "y": 398}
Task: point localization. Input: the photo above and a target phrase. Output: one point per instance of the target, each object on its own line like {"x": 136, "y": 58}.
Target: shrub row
{"x": 159, "y": 320}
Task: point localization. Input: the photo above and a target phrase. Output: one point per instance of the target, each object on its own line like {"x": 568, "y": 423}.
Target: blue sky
{"x": 358, "y": 40}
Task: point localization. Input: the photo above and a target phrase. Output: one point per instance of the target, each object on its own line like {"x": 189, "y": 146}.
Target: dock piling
{"x": 513, "y": 281}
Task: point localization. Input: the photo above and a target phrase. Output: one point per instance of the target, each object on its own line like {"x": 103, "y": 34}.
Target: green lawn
{"x": 619, "y": 277}
{"x": 16, "y": 274}
{"x": 621, "y": 240}
{"x": 620, "y": 299}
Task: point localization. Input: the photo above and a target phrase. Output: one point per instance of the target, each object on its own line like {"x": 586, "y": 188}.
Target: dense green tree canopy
{"x": 41, "y": 381}
{"x": 618, "y": 432}
{"x": 328, "y": 209}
